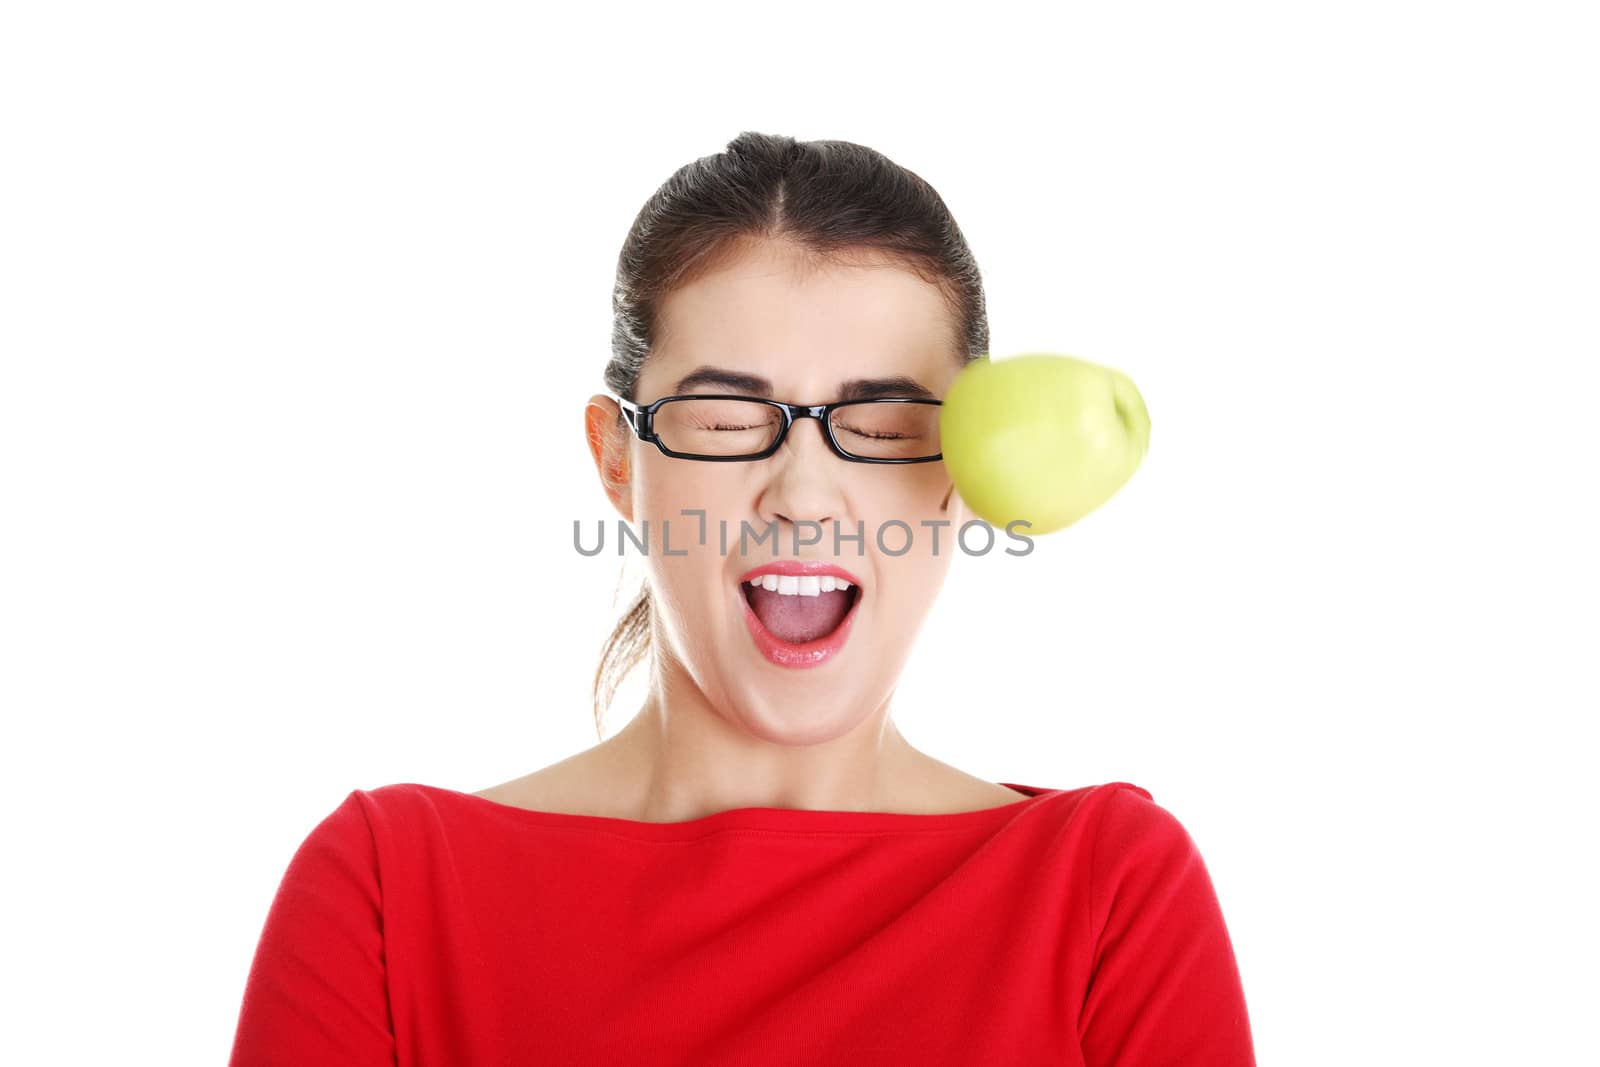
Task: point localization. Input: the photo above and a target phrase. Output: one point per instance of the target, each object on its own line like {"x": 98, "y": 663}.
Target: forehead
{"x": 804, "y": 325}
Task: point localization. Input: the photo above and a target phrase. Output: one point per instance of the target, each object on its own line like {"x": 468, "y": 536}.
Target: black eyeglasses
{"x": 723, "y": 427}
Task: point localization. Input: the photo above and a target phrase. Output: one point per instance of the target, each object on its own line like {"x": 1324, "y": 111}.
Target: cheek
{"x": 680, "y": 587}
{"x": 658, "y": 487}
{"x": 692, "y": 591}
{"x": 912, "y": 495}
{"x": 687, "y": 585}
{"x": 676, "y": 492}
{"x": 917, "y": 575}
{"x": 911, "y": 579}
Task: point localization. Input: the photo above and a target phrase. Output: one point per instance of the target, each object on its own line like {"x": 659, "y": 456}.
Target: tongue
{"x": 798, "y": 619}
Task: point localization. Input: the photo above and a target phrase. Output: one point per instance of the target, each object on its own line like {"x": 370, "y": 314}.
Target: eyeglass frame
{"x": 641, "y": 420}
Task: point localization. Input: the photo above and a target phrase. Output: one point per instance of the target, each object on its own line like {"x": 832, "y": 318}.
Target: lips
{"x": 806, "y": 619}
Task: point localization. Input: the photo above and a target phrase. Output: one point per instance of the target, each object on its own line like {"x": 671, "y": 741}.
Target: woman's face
{"x": 806, "y": 330}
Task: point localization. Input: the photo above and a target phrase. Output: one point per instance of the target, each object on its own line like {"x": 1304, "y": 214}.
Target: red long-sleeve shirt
{"x": 423, "y": 927}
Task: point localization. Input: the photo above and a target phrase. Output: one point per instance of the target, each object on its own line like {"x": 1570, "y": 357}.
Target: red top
{"x": 418, "y": 925}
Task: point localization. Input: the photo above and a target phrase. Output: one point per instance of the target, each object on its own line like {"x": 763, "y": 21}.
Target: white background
{"x": 301, "y": 304}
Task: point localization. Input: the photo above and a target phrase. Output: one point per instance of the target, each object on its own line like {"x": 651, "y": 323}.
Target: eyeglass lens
{"x": 871, "y": 430}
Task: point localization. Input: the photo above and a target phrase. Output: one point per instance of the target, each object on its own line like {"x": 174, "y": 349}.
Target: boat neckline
{"x": 760, "y": 817}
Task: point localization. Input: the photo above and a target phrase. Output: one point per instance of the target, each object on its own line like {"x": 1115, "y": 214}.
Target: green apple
{"x": 1041, "y": 437}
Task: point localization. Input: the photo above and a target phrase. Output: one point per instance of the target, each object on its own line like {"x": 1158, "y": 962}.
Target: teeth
{"x": 800, "y": 584}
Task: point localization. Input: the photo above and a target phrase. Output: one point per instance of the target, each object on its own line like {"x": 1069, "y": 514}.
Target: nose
{"x": 804, "y": 480}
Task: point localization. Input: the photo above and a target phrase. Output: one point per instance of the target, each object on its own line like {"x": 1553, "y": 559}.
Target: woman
{"x": 759, "y": 868}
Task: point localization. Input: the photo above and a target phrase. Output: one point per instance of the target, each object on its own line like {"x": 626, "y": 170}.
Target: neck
{"x": 682, "y": 757}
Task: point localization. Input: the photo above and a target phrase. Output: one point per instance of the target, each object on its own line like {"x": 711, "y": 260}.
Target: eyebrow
{"x": 755, "y": 385}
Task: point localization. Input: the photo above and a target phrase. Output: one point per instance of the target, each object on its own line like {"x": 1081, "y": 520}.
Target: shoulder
{"x": 412, "y": 809}
{"x": 365, "y": 807}
{"x": 1142, "y": 861}
{"x": 369, "y": 823}
{"x": 1126, "y": 816}
{"x": 1161, "y": 973}
{"x": 1114, "y": 832}
{"x": 378, "y": 841}
{"x": 595, "y": 781}
{"x": 552, "y": 788}
{"x": 1128, "y": 828}
{"x": 1115, "y": 813}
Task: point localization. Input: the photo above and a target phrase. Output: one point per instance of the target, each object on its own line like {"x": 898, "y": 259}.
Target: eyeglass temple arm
{"x": 631, "y": 412}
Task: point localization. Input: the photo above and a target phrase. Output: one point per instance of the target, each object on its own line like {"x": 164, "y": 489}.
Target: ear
{"x": 609, "y": 443}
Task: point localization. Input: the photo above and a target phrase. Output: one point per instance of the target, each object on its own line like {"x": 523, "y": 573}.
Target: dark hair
{"x": 834, "y": 201}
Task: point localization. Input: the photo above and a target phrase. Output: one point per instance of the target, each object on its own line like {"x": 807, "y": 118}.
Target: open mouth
{"x": 800, "y": 609}
{"x": 799, "y": 619}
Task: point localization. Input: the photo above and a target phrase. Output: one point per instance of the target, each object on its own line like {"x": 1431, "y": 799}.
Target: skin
{"x": 722, "y": 727}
